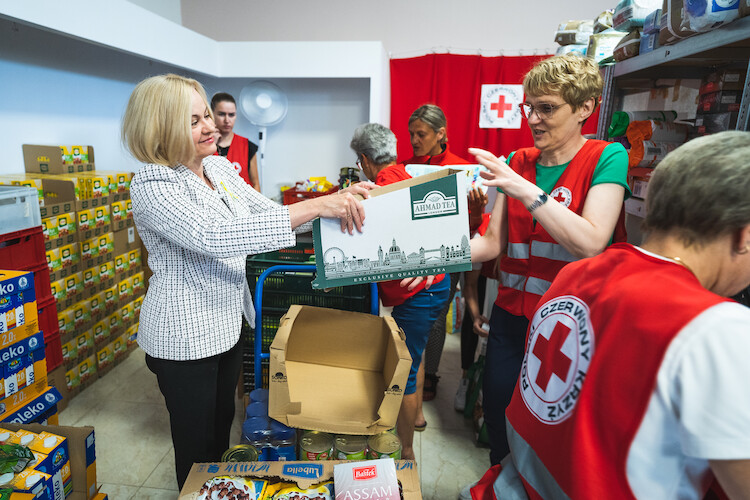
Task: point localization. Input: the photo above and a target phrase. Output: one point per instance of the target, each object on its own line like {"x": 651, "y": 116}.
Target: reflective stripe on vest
{"x": 518, "y": 250}
{"x": 515, "y": 281}
{"x": 531, "y": 467}
{"x": 551, "y": 251}
{"x": 537, "y": 286}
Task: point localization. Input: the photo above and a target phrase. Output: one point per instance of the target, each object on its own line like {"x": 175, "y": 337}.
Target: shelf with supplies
{"x": 691, "y": 58}
{"x": 672, "y": 78}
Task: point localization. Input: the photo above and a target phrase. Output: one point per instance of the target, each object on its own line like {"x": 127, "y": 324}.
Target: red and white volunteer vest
{"x": 239, "y": 151}
{"x": 593, "y": 352}
{"x": 533, "y": 257}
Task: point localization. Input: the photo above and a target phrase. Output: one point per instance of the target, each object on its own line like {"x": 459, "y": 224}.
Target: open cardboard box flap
{"x": 337, "y": 371}
{"x": 414, "y": 181}
{"x": 304, "y": 474}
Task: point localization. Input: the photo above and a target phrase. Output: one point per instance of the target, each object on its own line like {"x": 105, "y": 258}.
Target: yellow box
{"x": 84, "y": 343}
{"x": 30, "y": 481}
{"x": 66, "y": 321}
{"x": 105, "y": 243}
{"x": 86, "y": 219}
{"x": 66, "y": 224}
{"x": 54, "y": 459}
{"x": 72, "y": 378}
{"x": 87, "y": 369}
{"x": 129, "y": 208}
{"x": 137, "y": 303}
{"x": 102, "y": 215}
{"x": 105, "y": 357}
{"x": 122, "y": 262}
{"x": 74, "y": 155}
{"x": 132, "y": 335}
{"x": 49, "y": 228}
{"x": 107, "y": 270}
{"x": 73, "y": 284}
{"x": 97, "y": 185}
{"x": 114, "y": 321}
{"x": 134, "y": 258}
{"x": 90, "y": 248}
{"x": 122, "y": 179}
{"x": 91, "y": 277}
{"x": 126, "y": 312}
{"x": 81, "y": 313}
{"x": 120, "y": 345}
{"x": 125, "y": 289}
{"x": 110, "y": 297}
{"x": 18, "y": 307}
{"x": 69, "y": 351}
{"x": 96, "y": 302}
{"x": 53, "y": 260}
{"x": 101, "y": 331}
{"x": 69, "y": 254}
{"x": 119, "y": 211}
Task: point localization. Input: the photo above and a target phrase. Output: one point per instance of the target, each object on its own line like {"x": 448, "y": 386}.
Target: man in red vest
{"x": 237, "y": 149}
{"x": 633, "y": 384}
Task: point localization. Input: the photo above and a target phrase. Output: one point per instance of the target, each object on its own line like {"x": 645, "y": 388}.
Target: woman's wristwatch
{"x": 540, "y": 200}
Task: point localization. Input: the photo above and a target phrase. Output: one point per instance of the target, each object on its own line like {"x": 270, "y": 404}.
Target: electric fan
{"x": 265, "y": 105}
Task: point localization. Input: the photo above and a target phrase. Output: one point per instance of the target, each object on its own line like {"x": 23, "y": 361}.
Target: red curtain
{"x": 454, "y": 83}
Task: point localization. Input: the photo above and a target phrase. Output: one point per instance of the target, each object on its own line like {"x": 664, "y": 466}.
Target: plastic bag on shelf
{"x": 674, "y": 25}
{"x": 705, "y": 15}
{"x": 602, "y": 45}
{"x": 630, "y": 14}
{"x": 629, "y": 46}
{"x": 567, "y": 49}
{"x": 603, "y": 21}
{"x": 574, "y": 32}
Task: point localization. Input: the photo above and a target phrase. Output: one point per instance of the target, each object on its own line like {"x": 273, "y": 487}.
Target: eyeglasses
{"x": 359, "y": 163}
{"x": 543, "y": 111}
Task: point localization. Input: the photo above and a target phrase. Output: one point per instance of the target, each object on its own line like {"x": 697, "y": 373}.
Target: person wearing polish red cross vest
{"x": 557, "y": 202}
{"x": 633, "y": 384}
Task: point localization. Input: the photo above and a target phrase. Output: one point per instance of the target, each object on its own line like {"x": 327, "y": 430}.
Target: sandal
{"x": 420, "y": 428}
{"x": 429, "y": 390}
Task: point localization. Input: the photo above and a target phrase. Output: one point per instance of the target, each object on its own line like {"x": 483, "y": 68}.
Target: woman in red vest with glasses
{"x": 557, "y": 202}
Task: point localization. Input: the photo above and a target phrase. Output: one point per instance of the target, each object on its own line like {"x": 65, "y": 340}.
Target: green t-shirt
{"x": 612, "y": 168}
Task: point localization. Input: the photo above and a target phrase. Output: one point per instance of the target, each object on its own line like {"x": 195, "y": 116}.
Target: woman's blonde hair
{"x": 156, "y": 125}
{"x": 573, "y": 77}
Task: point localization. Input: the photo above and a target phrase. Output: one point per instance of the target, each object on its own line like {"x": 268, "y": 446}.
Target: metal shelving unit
{"x": 689, "y": 58}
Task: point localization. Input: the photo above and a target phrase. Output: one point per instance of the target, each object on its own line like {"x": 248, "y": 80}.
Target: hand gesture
{"x": 479, "y": 326}
{"x": 412, "y": 283}
{"x": 499, "y": 174}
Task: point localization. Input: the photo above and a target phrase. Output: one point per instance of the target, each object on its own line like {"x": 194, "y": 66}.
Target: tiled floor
{"x": 134, "y": 451}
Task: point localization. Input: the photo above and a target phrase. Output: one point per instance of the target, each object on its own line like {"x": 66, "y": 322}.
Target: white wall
{"x": 57, "y": 90}
{"x": 406, "y": 27}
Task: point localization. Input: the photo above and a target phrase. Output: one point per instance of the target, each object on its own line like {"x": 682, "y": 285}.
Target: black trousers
{"x": 200, "y": 399}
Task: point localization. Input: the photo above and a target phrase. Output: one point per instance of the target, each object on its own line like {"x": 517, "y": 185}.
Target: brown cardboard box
{"x": 304, "y": 474}
{"x": 126, "y": 240}
{"x": 81, "y": 448}
{"x": 45, "y": 160}
{"x": 337, "y": 371}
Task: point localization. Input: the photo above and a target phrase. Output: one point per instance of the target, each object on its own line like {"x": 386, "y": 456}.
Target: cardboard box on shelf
{"x": 45, "y": 160}
{"x": 125, "y": 240}
{"x": 84, "y": 344}
{"x": 87, "y": 371}
{"x": 101, "y": 332}
{"x": 82, "y": 452}
{"x": 19, "y": 317}
{"x": 91, "y": 277}
{"x": 125, "y": 290}
{"x": 370, "y": 364}
{"x": 105, "y": 359}
{"x": 69, "y": 254}
{"x": 77, "y": 155}
{"x": 432, "y": 238}
{"x": 21, "y": 365}
{"x": 303, "y": 474}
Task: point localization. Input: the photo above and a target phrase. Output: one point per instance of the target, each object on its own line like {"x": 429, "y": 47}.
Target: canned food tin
{"x": 351, "y": 447}
{"x": 240, "y": 453}
{"x": 314, "y": 445}
{"x": 384, "y": 445}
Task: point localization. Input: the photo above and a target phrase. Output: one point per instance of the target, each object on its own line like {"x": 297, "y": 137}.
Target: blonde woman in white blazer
{"x": 199, "y": 220}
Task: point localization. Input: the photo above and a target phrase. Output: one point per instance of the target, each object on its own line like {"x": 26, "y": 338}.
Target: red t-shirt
{"x": 391, "y": 292}
{"x": 444, "y": 158}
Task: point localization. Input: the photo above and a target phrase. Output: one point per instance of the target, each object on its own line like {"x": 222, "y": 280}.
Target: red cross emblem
{"x": 501, "y": 106}
{"x": 552, "y": 358}
{"x": 559, "y": 197}
{"x": 562, "y": 195}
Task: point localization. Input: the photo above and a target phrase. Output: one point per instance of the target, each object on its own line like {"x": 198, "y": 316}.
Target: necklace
{"x": 682, "y": 263}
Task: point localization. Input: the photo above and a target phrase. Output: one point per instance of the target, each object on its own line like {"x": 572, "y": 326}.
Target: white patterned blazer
{"x": 198, "y": 240}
